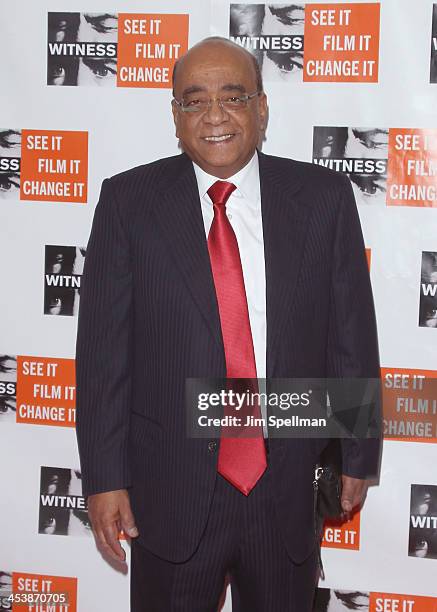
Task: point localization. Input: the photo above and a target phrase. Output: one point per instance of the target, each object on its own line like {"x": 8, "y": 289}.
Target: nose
{"x": 215, "y": 113}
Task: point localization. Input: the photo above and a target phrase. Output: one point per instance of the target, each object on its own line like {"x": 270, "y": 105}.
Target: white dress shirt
{"x": 244, "y": 213}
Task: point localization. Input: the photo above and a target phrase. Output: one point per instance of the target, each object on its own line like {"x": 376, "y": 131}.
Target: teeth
{"x": 218, "y": 138}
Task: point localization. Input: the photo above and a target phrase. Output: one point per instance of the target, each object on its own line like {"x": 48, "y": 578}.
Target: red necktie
{"x": 242, "y": 460}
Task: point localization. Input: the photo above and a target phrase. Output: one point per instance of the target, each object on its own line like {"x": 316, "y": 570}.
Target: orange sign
{"x": 54, "y": 166}
{"x": 148, "y": 46}
{"x": 412, "y": 167}
{"x": 341, "y": 534}
{"x": 389, "y": 602}
{"x": 40, "y": 592}
{"x": 409, "y": 404}
{"x": 46, "y": 391}
{"x": 341, "y": 43}
{"x": 369, "y": 257}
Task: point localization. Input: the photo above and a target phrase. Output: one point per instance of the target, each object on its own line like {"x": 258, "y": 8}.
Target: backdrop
{"x": 86, "y": 94}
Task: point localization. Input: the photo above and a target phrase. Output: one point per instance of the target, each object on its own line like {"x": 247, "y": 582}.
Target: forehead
{"x": 214, "y": 68}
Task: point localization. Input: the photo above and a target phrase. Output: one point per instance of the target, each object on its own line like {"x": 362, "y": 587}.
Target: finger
{"x": 113, "y": 545}
{"x": 108, "y": 551}
{"x": 352, "y": 495}
{"x": 103, "y": 546}
{"x": 345, "y": 516}
{"x": 347, "y": 502}
{"x": 128, "y": 521}
{"x": 93, "y": 521}
{"x": 347, "y": 496}
{"x": 99, "y": 537}
{"x": 360, "y": 496}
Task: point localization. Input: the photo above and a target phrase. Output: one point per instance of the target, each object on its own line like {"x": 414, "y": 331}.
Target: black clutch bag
{"x": 327, "y": 491}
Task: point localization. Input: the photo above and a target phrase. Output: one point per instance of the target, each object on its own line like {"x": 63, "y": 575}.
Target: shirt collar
{"x": 246, "y": 180}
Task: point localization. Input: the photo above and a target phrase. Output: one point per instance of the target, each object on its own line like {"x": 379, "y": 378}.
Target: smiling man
{"x": 219, "y": 262}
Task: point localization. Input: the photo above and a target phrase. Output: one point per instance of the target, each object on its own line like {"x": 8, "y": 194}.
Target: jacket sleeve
{"x": 103, "y": 351}
{"x": 352, "y": 354}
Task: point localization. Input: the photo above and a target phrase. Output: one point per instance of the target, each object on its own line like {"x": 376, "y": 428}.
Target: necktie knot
{"x": 220, "y": 191}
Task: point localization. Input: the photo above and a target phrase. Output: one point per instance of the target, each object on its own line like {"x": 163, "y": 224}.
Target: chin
{"x": 220, "y": 161}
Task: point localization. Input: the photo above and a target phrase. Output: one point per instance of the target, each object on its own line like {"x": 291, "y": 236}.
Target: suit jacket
{"x": 149, "y": 319}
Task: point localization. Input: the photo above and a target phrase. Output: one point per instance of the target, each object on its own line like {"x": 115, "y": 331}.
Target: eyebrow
{"x": 234, "y": 87}
{"x": 108, "y": 63}
{"x": 99, "y": 60}
{"x": 371, "y": 132}
{"x": 4, "y": 135}
{"x": 99, "y": 17}
{"x": 98, "y": 21}
{"x": 286, "y": 8}
{"x": 193, "y": 89}
{"x": 227, "y": 87}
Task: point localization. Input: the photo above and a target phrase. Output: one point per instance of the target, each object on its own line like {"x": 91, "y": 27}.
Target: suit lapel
{"x": 285, "y": 219}
{"x": 179, "y": 216}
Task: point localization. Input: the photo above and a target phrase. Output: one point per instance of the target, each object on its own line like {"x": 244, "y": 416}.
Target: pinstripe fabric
{"x": 149, "y": 319}
{"x": 242, "y": 544}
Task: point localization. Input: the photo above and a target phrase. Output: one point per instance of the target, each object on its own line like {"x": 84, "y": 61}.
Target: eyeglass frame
{"x": 246, "y": 97}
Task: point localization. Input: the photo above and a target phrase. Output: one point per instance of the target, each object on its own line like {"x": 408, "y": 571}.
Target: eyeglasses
{"x": 196, "y": 104}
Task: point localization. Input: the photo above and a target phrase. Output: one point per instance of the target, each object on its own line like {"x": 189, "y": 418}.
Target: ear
{"x": 263, "y": 110}
{"x": 176, "y": 116}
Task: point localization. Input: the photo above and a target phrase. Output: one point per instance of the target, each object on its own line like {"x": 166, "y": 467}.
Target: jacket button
{"x": 212, "y": 446}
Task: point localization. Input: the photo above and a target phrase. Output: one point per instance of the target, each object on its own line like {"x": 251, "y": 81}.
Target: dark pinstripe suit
{"x": 148, "y": 319}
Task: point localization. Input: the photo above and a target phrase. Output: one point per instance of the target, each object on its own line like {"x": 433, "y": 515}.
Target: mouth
{"x": 218, "y": 139}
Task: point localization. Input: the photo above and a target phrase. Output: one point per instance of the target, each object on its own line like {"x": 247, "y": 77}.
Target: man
{"x": 218, "y": 262}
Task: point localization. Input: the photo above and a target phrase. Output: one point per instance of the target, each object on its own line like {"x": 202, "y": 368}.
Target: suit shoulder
{"x": 144, "y": 175}
{"x": 310, "y": 175}
{"x": 321, "y": 175}
{"x": 133, "y": 192}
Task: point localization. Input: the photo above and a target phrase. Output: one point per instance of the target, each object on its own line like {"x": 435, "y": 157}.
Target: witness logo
{"x": 396, "y": 167}
{"x": 43, "y": 165}
{"x": 410, "y": 404}
{"x": 327, "y": 600}
{"x": 274, "y": 33}
{"x": 109, "y": 49}
{"x": 313, "y": 42}
{"x": 63, "y": 271}
{"x": 10, "y": 164}
{"x": 433, "y": 64}
{"x": 423, "y": 521}
{"x": 338, "y": 534}
{"x": 62, "y": 508}
{"x": 428, "y": 290}
{"x": 361, "y": 153}
{"x": 8, "y": 388}
{"x": 5, "y": 590}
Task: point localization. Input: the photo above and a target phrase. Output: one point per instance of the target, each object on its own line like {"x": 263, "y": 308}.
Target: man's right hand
{"x": 109, "y": 513}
